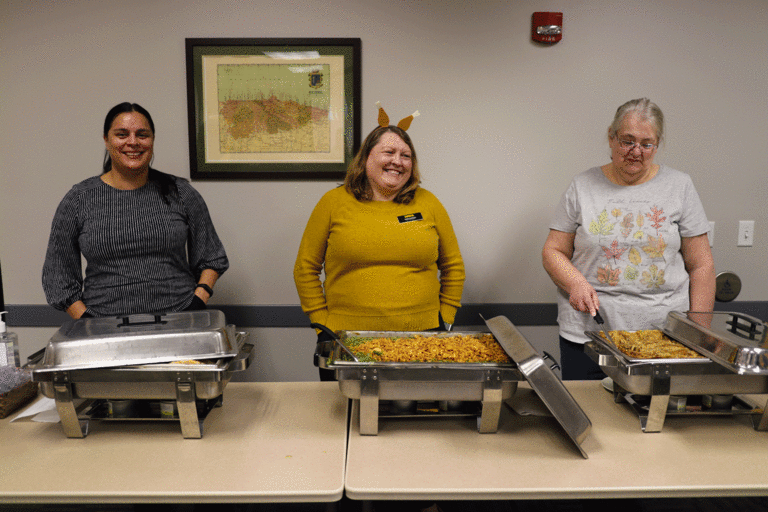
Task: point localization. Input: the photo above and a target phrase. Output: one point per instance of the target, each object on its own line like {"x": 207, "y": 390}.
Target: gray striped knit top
{"x": 144, "y": 253}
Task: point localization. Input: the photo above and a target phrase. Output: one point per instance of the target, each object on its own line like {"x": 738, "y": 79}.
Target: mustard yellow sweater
{"x": 381, "y": 264}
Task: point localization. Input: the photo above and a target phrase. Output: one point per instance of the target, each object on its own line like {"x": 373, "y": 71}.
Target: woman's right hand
{"x": 556, "y": 257}
{"x": 583, "y": 297}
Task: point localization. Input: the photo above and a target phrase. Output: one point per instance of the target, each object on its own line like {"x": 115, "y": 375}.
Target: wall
{"x": 505, "y": 123}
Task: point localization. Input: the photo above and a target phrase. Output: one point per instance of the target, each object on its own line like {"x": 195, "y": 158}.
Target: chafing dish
{"x": 447, "y": 383}
{"x": 734, "y": 362}
{"x": 372, "y": 382}
{"x": 111, "y": 360}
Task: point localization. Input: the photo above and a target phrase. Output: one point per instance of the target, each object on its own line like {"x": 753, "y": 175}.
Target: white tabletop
{"x": 532, "y": 457}
{"x": 270, "y": 442}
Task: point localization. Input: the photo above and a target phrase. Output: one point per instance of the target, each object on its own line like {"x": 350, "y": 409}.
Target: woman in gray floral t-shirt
{"x": 629, "y": 239}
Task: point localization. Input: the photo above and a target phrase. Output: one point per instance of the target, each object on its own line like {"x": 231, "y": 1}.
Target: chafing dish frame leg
{"x": 191, "y": 425}
{"x": 619, "y": 393}
{"x": 369, "y": 403}
{"x": 488, "y": 422}
{"x": 70, "y": 423}
{"x": 657, "y": 410}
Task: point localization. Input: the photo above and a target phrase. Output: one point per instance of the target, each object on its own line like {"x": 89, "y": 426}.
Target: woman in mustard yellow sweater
{"x": 391, "y": 258}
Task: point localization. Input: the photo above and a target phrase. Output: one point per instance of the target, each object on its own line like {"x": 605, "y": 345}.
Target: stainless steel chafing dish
{"x": 370, "y": 382}
{"x": 735, "y": 362}
{"x": 125, "y": 368}
{"x": 449, "y": 384}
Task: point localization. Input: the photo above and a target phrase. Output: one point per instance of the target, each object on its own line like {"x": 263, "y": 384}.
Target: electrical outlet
{"x": 746, "y": 233}
{"x": 711, "y": 233}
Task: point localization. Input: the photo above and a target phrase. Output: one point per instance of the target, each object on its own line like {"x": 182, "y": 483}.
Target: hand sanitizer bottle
{"x": 9, "y": 345}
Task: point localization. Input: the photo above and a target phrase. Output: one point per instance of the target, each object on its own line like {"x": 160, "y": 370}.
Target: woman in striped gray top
{"x": 147, "y": 237}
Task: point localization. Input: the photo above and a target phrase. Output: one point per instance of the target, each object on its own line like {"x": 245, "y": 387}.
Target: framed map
{"x": 272, "y": 108}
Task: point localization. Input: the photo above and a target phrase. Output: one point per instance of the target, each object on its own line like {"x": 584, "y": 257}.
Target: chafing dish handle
{"x": 751, "y": 329}
{"x": 35, "y": 358}
{"x": 334, "y": 338}
{"x": 323, "y": 347}
{"x": 545, "y": 355}
{"x": 243, "y": 359}
{"x": 158, "y": 319}
{"x": 322, "y": 350}
{"x": 325, "y": 330}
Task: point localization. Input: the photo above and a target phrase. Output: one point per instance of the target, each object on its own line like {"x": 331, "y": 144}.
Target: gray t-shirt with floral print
{"x": 627, "y": 245}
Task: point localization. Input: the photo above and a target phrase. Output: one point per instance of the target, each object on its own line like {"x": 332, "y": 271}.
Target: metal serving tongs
{"x": 603, "y": 327}
{"x": 336, "y": 339}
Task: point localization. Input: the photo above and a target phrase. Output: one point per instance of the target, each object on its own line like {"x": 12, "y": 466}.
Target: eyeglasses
{"x": 629, "y": 145}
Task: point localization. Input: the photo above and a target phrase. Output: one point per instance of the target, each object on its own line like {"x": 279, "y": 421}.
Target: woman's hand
{"x": 583, "y": 297}
{"x": 208, "y": 278}
{"x": 556, "y": 257}
{"x": 77, "y": 309}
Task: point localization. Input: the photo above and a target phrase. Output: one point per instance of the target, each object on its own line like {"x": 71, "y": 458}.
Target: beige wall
{"x": 505, "y": 123}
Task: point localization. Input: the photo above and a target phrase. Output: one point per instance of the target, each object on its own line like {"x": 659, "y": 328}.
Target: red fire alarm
{"x": 547, "y": 27}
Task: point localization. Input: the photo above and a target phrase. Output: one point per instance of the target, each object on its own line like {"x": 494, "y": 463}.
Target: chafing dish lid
{"x": 734, "y": 340}
{"x": 542, "y": 380}
{"x": 139, "y": 339}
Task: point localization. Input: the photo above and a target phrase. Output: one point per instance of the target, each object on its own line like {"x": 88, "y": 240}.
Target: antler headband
{"x": 404, "y": 123}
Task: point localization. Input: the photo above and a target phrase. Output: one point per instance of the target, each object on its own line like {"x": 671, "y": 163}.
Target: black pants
{"x": 575, "y": 364}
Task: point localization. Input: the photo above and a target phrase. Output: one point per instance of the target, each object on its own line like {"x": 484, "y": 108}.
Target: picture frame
{"x": 272, "y": 109}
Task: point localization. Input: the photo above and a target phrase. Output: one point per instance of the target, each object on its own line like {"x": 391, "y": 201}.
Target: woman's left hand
{"x": 207, "y": 279}
{"x": 197, "y": 304}
{"x": 701, "y": 269}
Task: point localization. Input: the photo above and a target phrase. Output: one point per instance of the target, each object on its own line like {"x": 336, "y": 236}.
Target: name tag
{"x": 410, "y": 217}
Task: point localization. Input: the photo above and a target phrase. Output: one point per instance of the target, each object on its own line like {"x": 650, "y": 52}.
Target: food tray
{"x": 149, "y": 381}
{"x": 620, "y": 353}
{"x": 660, "y": 378}
{"x": 187, "y": 385}
{"x": 370, "y": 382}
{"x": 139, "y": 339}
{"x": 685, "y": 376}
